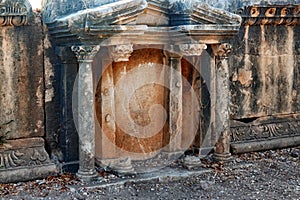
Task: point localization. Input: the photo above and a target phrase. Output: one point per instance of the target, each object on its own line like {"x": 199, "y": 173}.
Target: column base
{"x": 122, "y": 166}
{"x": 222, "y": 157}
{"x": 192, "y": 162}
{"x": 87, "y": 176}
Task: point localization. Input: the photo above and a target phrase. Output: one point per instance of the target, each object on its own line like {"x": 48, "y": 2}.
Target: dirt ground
{"x": 260, "y": 175}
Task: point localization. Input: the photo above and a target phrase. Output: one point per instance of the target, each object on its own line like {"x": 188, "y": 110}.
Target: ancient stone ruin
{"x": 133, "y": 84}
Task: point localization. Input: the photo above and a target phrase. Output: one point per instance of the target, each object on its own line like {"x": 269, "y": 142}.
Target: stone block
{"x": 21, "y": 81}
{"x": 25, "y": 159}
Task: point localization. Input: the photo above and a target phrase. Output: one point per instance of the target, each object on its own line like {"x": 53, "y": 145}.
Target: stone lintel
{"x": 260, "y": 145}
{"x": 265, "y": 129}
{"x": 197, "y": 20}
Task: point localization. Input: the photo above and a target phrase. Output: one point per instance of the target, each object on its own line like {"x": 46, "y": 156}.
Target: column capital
{"x": 85, "y": 53}
{"x": 222, "y": 50}
{"x": 192, "y": 49}
{"x": 121, "y": 53}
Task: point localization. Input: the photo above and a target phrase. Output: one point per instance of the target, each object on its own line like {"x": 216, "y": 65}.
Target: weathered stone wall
{"x": 265, "y": 71}
{"x": 265, "y": 65}
{"x": 22, "y": 84}
{"x": 60, "y": 72}
{"x": 22, "y": 115}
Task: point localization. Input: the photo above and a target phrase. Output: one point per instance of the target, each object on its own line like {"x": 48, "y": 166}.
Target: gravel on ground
{"x": 273, "y": 174}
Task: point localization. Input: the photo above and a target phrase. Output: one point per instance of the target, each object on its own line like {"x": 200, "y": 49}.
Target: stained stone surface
{"x": 23, "y": 155}
{"x": 56, "y": 8}
{"x": 21, "y": 80}
{"x": 264, "y": 80}
{"x": 264, "y": 71}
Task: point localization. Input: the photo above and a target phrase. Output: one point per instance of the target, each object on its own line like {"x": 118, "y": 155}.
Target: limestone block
{"x": 21, "y": 81}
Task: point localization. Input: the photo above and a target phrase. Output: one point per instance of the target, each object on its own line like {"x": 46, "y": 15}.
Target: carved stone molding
{"x": 25, "y": 152}
{"x": 14, "y": 12}
{"x": 271, "y": 15}
{"x": 266, "y": 131}
{"x": 25, "y": 159}
{"x": 121, "y": 53}
{"x": 222, "y": 50}
{"x": 130, "y": 19}
{"x": 85, "y": 53}
{"x": 192, "y": 49}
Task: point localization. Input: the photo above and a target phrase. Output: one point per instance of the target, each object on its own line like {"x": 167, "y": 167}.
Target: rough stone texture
{"x": 22, "y": 87}
{"x": 66, "y": 135}
{"x": 23, "y": 156}
{"x": 25, "y": 159}
{"x": 52, "y": 76}
{"x": 264, "y": 81}
{"x": 264, "y": 64}
{"x": 85, "y": 119}
{"x": 265, "y": 74}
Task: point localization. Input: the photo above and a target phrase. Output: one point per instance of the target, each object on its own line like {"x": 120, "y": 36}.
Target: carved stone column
{"x": 118, "y": 53}
{"x": 222, "y": 104}
{"x": 173, "y": 60}
{"x": 192, "y": 53}
{"x": 86, "y": 118}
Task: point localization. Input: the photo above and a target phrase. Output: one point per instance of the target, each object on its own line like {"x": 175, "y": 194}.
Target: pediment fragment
{"x": 136, "y": 17}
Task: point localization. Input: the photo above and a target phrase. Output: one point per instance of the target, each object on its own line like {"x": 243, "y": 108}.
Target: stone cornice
{"x": 271, "y": 15}
{"x": 93, "y": 25}
{"x": 14, "y": 13}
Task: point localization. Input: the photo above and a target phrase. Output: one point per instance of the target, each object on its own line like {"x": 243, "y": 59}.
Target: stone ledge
{"x": 265, "y": 144}
{"x": 27, "y": 173}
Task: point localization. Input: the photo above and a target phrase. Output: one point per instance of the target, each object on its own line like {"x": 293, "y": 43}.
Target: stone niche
{"x": 22, "y": 156}
{"x": 143, "y": 69}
